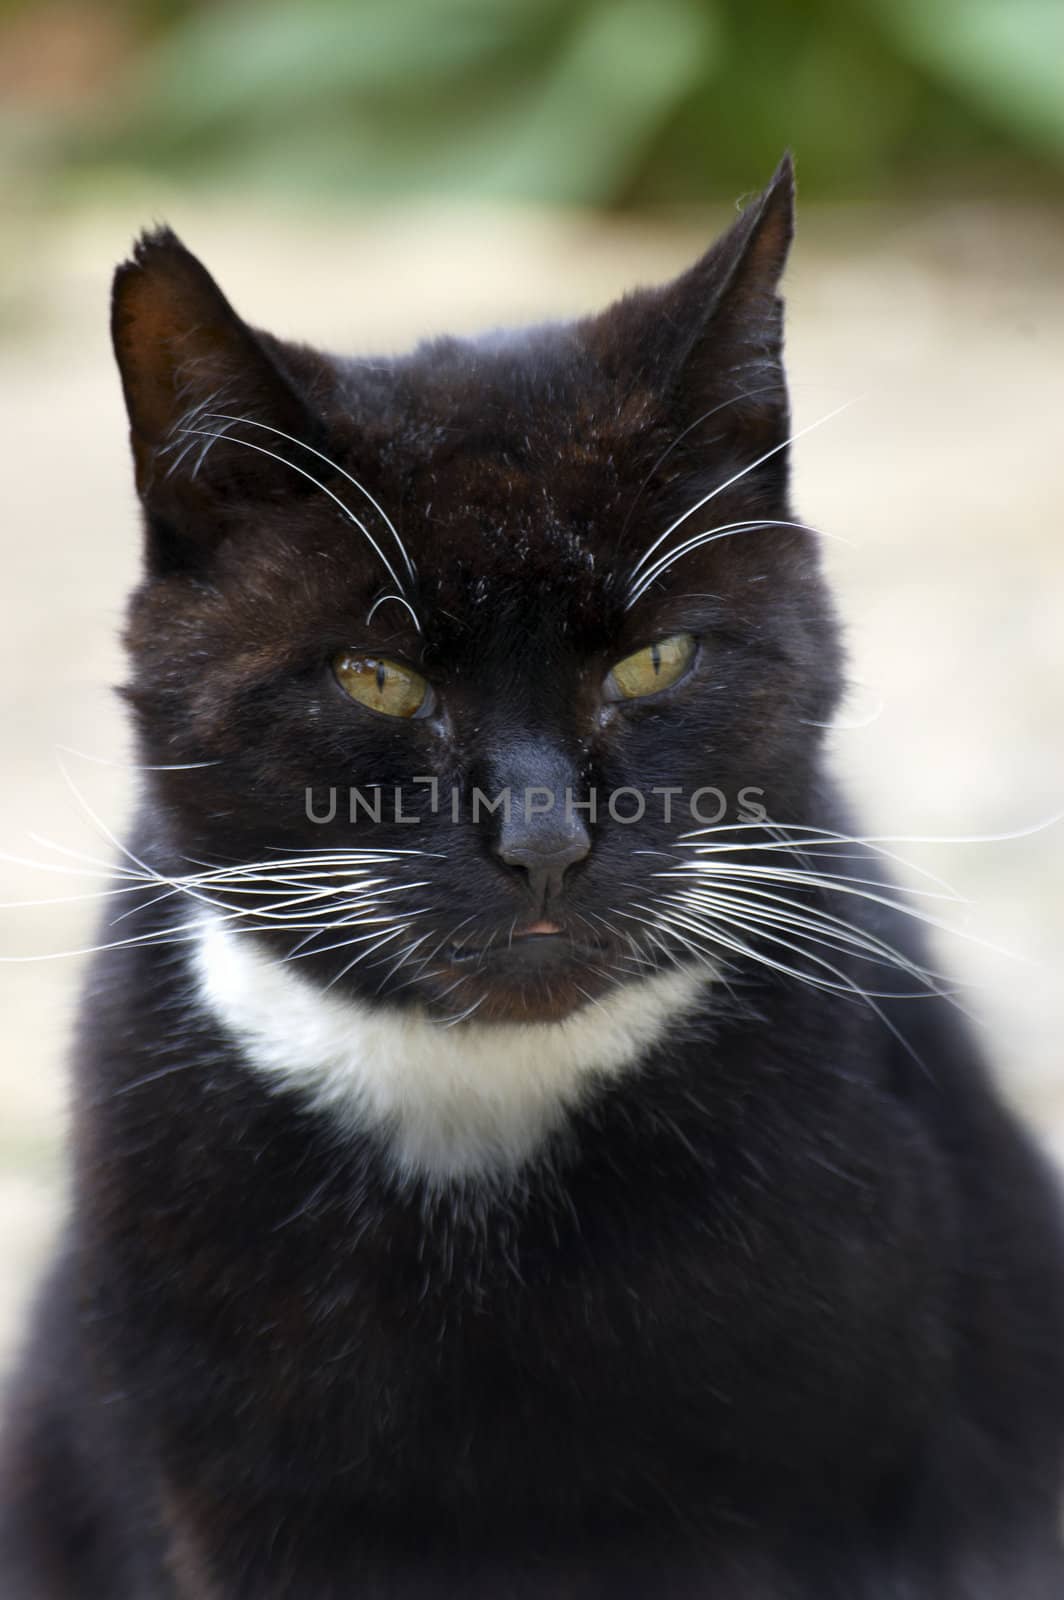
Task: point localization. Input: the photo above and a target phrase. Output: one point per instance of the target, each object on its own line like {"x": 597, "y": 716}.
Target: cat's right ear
{"x": 189, "y": 365}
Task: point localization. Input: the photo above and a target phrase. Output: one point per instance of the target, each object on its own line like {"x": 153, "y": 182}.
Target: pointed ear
{"x": 729, "y": 305}
{"x": 185, "y": 359}
{"x": 708, "y": 348}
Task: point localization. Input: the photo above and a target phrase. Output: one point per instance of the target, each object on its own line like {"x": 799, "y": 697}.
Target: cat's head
{"x": 551, "y": 573}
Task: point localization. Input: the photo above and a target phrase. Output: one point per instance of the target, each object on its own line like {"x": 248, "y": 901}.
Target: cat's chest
{"x": 458, "y": 1103}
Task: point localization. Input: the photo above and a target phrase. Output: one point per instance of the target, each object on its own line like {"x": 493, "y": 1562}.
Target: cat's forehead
{"x": 507, "y": 460}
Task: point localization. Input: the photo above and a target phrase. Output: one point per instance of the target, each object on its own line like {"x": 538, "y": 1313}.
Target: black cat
{"x": 520, "y": 1149}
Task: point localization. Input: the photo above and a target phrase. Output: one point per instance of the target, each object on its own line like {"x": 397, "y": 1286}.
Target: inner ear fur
{"x": 188, "y": 362}
{"x": 710, "y": 344}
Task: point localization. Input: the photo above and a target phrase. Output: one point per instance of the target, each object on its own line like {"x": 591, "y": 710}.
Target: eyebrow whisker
{"x": 301, "y": 444}
{"x": 261, "y": 450}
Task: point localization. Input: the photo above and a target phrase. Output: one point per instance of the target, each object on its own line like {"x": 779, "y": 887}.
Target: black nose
{"x": 545, "y": 847}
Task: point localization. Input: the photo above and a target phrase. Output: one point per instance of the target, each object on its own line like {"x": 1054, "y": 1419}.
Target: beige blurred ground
{"x": 946, "y": 475}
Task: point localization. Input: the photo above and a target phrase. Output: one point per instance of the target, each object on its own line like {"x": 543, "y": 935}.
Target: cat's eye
{"x": 383, "y": 686}
{"x": 659, "y": 666}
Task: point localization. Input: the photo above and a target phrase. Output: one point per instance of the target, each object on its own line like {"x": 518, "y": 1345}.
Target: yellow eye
{"x": 656, "y": 667}
{"x": 381, "y": 685}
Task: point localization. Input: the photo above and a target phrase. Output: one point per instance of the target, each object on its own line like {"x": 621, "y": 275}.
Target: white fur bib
{"x": 471, "y": 1099}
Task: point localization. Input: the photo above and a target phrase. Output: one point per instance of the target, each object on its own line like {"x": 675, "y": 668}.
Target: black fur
{"x": 777, "y": 1317}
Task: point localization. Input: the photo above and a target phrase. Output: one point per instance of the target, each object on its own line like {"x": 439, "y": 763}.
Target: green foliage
{"x": 581, "y": 101}
{"x": 1005, "y": 56}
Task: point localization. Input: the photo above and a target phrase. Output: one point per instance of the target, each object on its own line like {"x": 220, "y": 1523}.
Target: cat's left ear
{"x": 730, "y": 306}
{"x": 710, "y": 344}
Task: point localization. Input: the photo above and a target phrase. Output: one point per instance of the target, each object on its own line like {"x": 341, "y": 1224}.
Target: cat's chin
{"x": 511, "y": 1002}
{"x": 539, "y": 977}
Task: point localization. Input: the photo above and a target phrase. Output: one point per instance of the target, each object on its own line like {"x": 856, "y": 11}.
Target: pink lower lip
{"x": 539, "y": 927}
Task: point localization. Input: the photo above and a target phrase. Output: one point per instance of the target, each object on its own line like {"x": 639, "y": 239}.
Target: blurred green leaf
{"x": 1006, "y": 55}
{"x": 577, "y": 133}
{"x": 250, "y": 61}
{"x": 591, "y": 102}
{"x": 491, "y": 97}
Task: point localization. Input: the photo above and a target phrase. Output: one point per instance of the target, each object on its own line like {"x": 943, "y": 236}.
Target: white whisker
{"x": 400, "y": 600}
{"x": 735, "y": 478}
{"x": 821, "y": 927}
{"x": 136, "y": 766}
{"x": 363, "y": 954}
{"x": 346, "y": 509}
{"x": 776, "y": 387}
{"x": 844, "y": 986}
{"x": 727, "y": 530}
{"x": 302, "y": 445}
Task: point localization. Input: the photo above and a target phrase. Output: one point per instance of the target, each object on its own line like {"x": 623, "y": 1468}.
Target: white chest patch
{"x": 472, "y": 1099}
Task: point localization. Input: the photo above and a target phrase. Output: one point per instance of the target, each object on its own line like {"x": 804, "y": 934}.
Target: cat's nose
{"x": 545, "y": 849}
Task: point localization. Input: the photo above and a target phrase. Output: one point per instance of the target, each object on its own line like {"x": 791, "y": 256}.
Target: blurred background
{"x": 362, "y": 172}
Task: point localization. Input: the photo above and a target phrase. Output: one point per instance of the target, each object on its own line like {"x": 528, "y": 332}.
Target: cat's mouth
{"x": 541, "y": 942}
{"x": 536, "y": 972}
